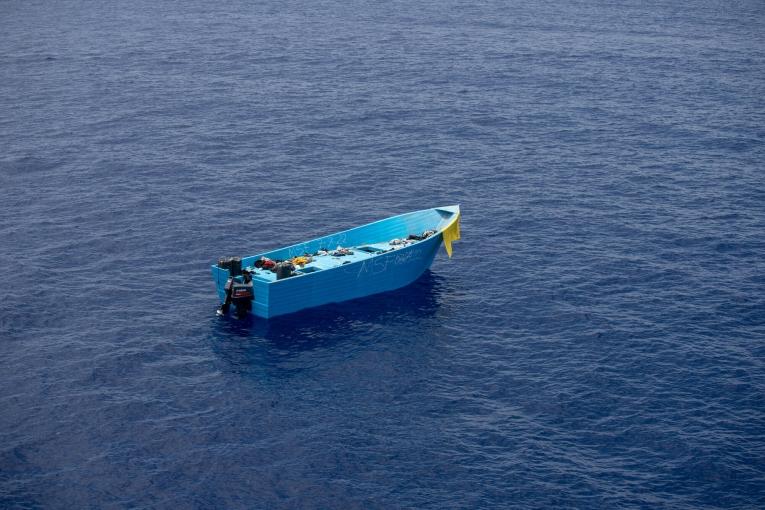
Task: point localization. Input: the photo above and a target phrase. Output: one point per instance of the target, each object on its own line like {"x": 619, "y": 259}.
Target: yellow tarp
{"x": 452, "y": 233}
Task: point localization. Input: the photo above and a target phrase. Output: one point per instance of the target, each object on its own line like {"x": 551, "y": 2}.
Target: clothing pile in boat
{"x": 339, "y": 252}
{"x": 421, "y": 237}
{"x": 282, "y": 268}
{"x": 301, "y": 260}
{"x": 411, "y": 239}
{"x": 265, "y": 263}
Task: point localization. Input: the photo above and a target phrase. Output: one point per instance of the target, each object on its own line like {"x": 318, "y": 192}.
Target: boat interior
{"x": 324, "y": 259}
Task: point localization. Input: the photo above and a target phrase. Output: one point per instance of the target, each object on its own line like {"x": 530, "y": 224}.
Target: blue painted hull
{"x": 358, "y": 276}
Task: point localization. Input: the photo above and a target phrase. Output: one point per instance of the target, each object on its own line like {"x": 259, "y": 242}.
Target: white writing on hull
{"x": 329, "y": 243}
{"x": 380, "y": 263}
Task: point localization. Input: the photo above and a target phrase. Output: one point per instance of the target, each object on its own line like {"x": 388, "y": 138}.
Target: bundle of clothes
{"x": 283, "y": 268}
{"x": 411, "y": 239}
{"x": 341, "y": 252}
{"x": 266, "y": 263}
{"x": 286, "y": 268}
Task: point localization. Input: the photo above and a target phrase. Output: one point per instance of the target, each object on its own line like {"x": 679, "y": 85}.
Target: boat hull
{"x": 379, "y": 273}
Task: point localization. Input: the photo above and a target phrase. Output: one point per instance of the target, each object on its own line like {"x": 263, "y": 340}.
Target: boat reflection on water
{"x": 411, "y": 310}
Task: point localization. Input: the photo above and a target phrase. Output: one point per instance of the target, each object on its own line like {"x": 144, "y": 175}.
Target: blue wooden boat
{"x": 377, "y": 257}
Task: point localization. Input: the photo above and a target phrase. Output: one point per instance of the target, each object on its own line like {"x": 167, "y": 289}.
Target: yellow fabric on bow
{"x": 451, "y": 233}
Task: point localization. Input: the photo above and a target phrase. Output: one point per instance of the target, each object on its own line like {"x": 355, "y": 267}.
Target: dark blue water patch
{"x": 595, "y": 342}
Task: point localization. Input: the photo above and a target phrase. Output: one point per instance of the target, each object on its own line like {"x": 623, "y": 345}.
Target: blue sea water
{"x": 597, "y": 341}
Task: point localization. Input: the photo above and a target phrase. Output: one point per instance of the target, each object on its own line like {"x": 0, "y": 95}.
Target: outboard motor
{"x": 238, "y": 288}
{"x": 242, "y": 295}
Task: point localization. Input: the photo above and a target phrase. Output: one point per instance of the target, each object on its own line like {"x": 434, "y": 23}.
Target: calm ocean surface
{"x": 597, "y": 341}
